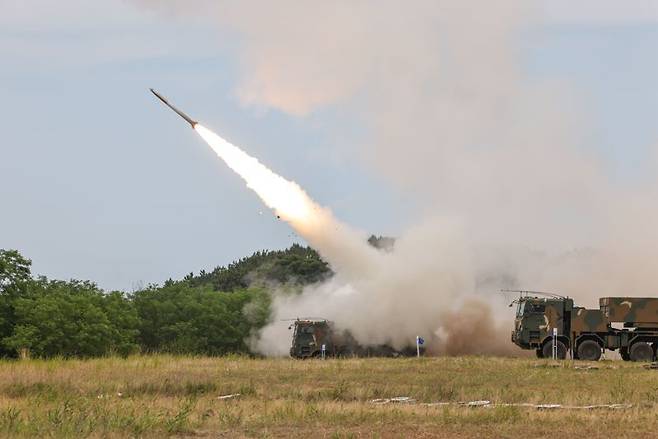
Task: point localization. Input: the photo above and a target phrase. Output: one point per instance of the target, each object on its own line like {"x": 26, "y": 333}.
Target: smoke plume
{"x": 510, "y": 195}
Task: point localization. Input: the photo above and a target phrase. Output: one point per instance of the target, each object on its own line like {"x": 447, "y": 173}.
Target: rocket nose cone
{"x": 174, "y": 109}
{"x": 157, "y": 95}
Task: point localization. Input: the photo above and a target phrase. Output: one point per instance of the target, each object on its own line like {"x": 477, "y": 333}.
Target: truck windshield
{"x": 535, "y": 308}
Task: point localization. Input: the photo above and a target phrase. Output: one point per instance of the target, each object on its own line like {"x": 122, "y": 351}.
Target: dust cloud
{"x": 510, "y": 195}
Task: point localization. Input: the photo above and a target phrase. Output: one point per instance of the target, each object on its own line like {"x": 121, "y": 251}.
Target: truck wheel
{"x": 623, "y": 352}
{"x": 539, "y": 353}
{"x": 641, "y": 351}
{"x": 547, "y": 350}
{"x": 589, "y": 350}
{"x": 345, "y": 353}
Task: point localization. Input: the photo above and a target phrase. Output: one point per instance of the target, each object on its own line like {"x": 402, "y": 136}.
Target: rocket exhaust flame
{"x": 287, "y": 199}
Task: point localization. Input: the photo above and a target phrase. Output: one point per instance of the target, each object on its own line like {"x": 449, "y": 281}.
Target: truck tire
{"x": 547, "y": 350}
{"x": 623, "y": 352}
{"x": 345, "y": 353}
{"x": 641, "y": 351}
{"x": 589, "y": 350}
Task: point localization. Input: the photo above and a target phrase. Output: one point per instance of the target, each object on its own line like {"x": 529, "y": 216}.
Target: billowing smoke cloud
{"x": 510, "y": 194}
{"x": 401, "y": 294}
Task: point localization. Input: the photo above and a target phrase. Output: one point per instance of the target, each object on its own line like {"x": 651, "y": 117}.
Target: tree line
{"x": 212, "y": 313}
{"x": 209, "y": 313}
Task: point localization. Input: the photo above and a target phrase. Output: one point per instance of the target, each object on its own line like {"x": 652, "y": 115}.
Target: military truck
{"x": 627, "y": 324}
{"x": 310, "y": 334}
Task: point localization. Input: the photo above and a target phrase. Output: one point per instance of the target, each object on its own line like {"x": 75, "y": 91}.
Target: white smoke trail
{"x": 290, "y": 202}
{"x": 286, "y": 197}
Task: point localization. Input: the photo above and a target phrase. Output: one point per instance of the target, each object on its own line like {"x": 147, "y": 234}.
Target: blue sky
{"x": 614, "y": 70}
{"x": 99, "y": 181}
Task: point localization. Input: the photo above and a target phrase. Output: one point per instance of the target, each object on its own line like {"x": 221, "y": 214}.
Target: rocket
{"x": 176, "y": 110}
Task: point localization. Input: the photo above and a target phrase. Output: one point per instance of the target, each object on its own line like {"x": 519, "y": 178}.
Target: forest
{"x": 210, "y": 313}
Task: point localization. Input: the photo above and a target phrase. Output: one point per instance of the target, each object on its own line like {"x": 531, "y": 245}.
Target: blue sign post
{"x": 419, "y": 341}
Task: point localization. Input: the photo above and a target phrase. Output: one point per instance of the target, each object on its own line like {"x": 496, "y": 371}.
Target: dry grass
{"x": 156, "y": 396}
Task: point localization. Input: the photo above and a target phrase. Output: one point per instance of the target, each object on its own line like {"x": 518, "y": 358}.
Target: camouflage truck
{"x": 627, "y": 324}
{"x": 310, "y": 334}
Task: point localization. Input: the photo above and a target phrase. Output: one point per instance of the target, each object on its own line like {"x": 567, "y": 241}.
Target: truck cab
{"x": 308, "y": 337}
{"x": 535, "y": 319}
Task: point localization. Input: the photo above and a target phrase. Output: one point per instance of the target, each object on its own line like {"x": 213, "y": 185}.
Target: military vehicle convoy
{"x": 627, "y": 324}
{"x": 309, "y": 335}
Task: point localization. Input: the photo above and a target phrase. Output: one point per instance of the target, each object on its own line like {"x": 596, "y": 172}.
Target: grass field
{"x": 155, "y": 396}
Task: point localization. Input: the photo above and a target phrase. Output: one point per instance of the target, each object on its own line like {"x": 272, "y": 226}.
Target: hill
{"x": 294, "y": 265}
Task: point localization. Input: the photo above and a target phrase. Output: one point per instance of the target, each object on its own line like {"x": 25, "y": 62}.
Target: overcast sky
{"x": 99, "y": 181}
